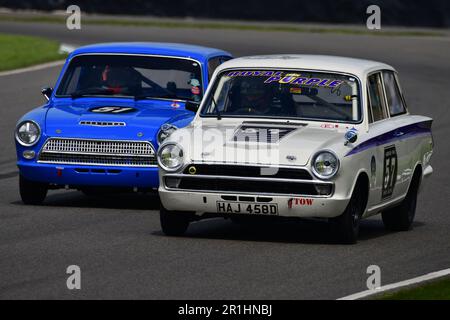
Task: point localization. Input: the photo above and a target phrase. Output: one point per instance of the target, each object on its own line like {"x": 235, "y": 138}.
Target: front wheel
{"x": 173, "y": 223}
{"x": 346, "y": 226}
{"x": 32, "y": 192}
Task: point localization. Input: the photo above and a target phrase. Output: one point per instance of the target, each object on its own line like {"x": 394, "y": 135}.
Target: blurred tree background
{"x": 420, "y": 13}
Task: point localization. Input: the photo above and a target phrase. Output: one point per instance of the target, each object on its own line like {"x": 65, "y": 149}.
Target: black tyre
{"x": 346, "y": 226}
{"x": 401, "y": 217}
{"x": 173, "y": 223}
{"x": 32, "y": 192}
{"x": 244, "y": 220}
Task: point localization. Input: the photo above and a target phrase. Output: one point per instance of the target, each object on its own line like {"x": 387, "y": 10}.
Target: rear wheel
{"x": 346, "y": 226}
{"x": 32, "y": 192}
{"x": 173, "y": 223}
{"x": 401, "y": 217}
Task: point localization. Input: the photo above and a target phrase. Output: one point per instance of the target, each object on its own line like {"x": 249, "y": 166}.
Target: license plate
{"x": 247, "y": 208}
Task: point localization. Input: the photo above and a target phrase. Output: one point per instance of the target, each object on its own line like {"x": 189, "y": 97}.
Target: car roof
{"x": 152, "y": 48}
{"x": 358, "y": 67}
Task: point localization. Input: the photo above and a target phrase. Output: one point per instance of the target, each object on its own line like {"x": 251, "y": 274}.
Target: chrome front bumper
{"x": 288, "y": 205}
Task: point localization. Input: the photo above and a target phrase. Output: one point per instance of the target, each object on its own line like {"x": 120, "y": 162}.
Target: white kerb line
{"x": 405, "y": 283}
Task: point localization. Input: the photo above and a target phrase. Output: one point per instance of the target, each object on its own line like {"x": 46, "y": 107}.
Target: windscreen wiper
{"x": 84, "y": 93}
{"x": 76, "y": 95}
{"x": 145, "y": 96}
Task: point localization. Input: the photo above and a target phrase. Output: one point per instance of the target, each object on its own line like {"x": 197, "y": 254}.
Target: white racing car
{"x": 297, "y": 136}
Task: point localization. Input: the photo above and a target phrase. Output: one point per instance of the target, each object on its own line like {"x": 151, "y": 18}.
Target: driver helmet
{"x": 255, "y": 93}
{"x": 116, "y": 78}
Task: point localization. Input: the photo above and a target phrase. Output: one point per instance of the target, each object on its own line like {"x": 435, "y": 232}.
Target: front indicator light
{"x": 29, "y": 154}
{"x": 323, "y": 189}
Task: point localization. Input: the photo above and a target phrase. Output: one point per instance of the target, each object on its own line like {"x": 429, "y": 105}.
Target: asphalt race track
{"x": 117, "y": 241}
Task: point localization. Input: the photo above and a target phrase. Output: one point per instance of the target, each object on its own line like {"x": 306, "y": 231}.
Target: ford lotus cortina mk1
{"x": 298, "y": 136}
{"x": 112, "y": 106}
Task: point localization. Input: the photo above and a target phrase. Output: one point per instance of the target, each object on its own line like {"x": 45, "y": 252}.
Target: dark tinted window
{"x": 213, "y": 63}
{"x": 393, "y": 96}
{"x": 376, "y": 103}
{"x": 121, "y": 75}
{"x": 284, "y": 94}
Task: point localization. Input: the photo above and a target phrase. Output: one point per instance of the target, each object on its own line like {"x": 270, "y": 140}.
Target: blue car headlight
{"x": 28, "y": 133}
{"x": 166, "y": 130}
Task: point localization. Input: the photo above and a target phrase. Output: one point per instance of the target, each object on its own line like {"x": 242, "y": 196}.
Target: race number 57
{"x": 389, "y": 171}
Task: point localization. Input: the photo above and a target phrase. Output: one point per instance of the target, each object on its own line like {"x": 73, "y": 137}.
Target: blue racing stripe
{"x": 391, "y": 136}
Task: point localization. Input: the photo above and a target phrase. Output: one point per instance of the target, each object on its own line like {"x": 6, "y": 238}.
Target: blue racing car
{"x": 112, "y": 105}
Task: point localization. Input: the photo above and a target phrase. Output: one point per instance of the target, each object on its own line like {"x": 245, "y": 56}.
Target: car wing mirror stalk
{"x": 47, "y": 92}
{"x": 351, "y": 136}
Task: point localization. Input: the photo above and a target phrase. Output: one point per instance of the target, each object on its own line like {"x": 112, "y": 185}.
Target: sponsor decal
{"x": 295, "y": 90}
{"x": 329, "y": 126}
{"x": 288, "y": 78}
{"x": 349, "y": 98}
{"x": 195, "y": 90}
{"x": 254, "y": 73}
{"x": 112, "y": 109}
{"x": 389, "y": 171}
{"x": 175, "y": 105}
{"x": 194, "y": 82}
{"x": 300, "y": 202}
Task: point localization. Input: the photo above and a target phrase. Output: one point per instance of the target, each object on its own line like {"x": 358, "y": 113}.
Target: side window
{"x": 376, "y": 99}
{"x": 393, "y": 95}
{"x": 224, "y": 59}
{"x": 369, "y": 109}
{"x": 213, "y": 63}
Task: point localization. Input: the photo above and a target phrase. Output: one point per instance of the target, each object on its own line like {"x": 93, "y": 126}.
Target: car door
{"x": 384, "y": 153}
{"x": 401, "y": 121}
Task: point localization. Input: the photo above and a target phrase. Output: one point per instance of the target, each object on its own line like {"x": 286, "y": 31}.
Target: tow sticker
{"x": 300, "y": 202}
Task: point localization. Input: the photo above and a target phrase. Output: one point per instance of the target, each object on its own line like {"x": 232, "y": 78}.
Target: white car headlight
{"x": 28, "y": 133}
{"x": 170, "y": 157}
{"x": 166, "y": 130}
{"x": 325, "y": 164}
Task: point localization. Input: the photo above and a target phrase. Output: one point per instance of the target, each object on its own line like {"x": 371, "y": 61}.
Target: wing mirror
{"x": 47, "y": 92}
{"x": 351, "y": 136}
{"x": 192, "y": 106}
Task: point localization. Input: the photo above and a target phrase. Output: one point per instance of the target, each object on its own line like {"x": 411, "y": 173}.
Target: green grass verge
{"x": 17, "y": 51}
{"x": 219, "y": 25}
{"x": 436, "y": 290}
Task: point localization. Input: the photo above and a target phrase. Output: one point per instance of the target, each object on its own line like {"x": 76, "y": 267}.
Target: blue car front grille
{"x": 98, "y": 152}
